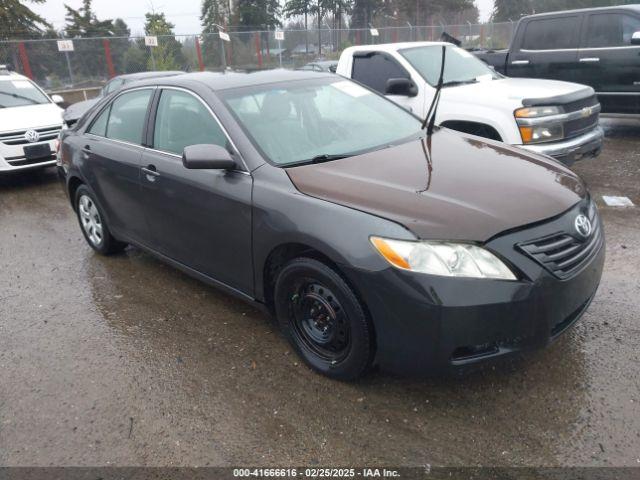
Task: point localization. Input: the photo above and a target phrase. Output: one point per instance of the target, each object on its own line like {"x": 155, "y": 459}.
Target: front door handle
{"x": 520, "y": 62}
{"x": 589, "y": 60}
{"x": 151, "y": 172}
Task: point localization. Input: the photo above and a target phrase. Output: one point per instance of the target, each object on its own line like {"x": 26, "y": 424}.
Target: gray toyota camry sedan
{"x": 370, "y": 241}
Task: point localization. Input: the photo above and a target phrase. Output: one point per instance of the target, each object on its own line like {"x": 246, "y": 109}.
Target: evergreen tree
{"x": 84, "y": 23}
{"x": 168, "y": 54}
{"x": 214, "y": 14}
{"x": 18, "y": 21}
{"x": 88, "y": 58}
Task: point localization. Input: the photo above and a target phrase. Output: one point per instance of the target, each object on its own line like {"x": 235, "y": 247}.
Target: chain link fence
{"x": 95, "y": 60}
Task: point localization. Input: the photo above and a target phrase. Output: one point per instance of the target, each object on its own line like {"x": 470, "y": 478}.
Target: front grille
{"x": 579, "y": 126}
{"x": 16, "y": 137}
{"x": 580, "y": 104}
{"x": 563, "y": 254}
{"x": 34, "y": 161}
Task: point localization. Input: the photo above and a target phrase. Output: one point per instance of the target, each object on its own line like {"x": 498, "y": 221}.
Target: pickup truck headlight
{"x": 534, "y": 127}
{"x": 541, "y": 134}
{"x": 536, "y": 112}
{"x": 442, "y": 258}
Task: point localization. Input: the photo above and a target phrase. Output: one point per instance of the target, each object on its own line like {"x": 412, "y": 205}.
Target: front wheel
{"x": 93, "y": 224}
{"x": 323, "y": 319}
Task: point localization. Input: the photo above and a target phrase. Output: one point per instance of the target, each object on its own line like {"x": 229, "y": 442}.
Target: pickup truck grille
{"x": 576, "y": 127}
{"x": 563, "y": 254}
{"x": 16, "y": 137}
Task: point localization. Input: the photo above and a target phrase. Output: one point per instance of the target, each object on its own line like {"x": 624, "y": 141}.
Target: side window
{"x": 374, "y": 71}
{"x": 183, "y": 120}
{"x": 551, "y": 33}
{"x": 99, "y": 126}
{"x": 610, "y": 30}
{"x": 128, "y": 111}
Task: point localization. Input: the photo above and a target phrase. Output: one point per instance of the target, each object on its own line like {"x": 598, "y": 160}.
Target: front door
{"x": 609, "y": 62}
{"x": 548, "y": 48}
{"x": 199, "y": 218}
{"x": 113, "y": 145}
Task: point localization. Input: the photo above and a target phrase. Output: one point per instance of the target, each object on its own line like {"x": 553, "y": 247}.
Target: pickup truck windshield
{"x": 319, "y": 120}
{"x": 460, "y": 66}
{"x": 20, "y": 92}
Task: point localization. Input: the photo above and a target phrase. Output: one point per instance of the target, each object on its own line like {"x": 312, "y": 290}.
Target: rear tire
{"x": 94, "y": 225}
{"x": 323, "y": 319}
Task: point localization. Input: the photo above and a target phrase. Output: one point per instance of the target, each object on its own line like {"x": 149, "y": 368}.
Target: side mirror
{"x": 401, "y": 86}
{"x": 57, "y": 99}
{"x": 635, "y": 38}
{"x": 207, "y": 157}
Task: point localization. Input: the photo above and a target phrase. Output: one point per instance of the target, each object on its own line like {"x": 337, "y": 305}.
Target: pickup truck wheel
{"x": 323, "y": 319}
{"x": 93, "y": 224}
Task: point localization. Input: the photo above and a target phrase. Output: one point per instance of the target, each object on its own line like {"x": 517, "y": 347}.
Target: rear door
{"x": 199, "y": 218}
{"x": 112, "y": 151}
{"x": 546, "y": 47}
{"x": 608, "y": 61}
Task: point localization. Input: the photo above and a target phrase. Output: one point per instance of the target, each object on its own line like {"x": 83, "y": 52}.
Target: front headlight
{"x": 442, "y": 258}
{"x": 535, "y": 128}
{"x": 547, "y": 133}
{"x": 536, "y": 112}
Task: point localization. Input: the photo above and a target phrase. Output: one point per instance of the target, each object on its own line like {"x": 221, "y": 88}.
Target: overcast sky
{"x": 183, "y": 13}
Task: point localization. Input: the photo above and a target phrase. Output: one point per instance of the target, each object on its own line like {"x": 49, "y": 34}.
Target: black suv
{"x": 599, "y": 47}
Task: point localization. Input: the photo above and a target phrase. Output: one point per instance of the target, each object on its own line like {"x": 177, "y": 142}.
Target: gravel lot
{"x": 126, "y": 361}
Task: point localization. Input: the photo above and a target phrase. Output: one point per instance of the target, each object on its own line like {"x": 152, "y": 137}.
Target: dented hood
{"x": 448, "y": 187}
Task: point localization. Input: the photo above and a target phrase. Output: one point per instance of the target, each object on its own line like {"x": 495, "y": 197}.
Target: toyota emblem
{"x": 31, "y": 136}
{"x": 583, "y": 225}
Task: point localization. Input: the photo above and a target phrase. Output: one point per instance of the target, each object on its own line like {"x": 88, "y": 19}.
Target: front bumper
{"x": 12, "y": 158}
{"x": 569, "y": 151}
{"x": 429, "y": 324}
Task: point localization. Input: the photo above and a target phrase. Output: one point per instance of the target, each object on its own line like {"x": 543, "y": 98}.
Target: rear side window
{"x": 551, "y": 33}
{"x": 128, "y": 112}
{"x": 374, "y": 70}
{"x": 610, "y": 30}
{"x": 183, "y": 120}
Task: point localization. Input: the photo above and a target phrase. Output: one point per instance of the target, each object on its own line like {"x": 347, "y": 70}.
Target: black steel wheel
{"x": 323, "y": 319}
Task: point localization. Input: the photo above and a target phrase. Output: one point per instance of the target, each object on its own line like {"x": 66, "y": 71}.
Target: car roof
{"x": 142, "y": 75}
{"x": 393, "y": 47}
{"x": 226, "y": 80}
{"x": 635, "y": 7}
{"x": 11, "y": 75}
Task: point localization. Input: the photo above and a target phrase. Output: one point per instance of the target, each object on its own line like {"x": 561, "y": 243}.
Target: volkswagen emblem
{"x": 583, "y": 225}
{"x": 31, "y": 136}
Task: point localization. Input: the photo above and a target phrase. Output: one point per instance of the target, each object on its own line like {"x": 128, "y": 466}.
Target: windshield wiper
{"x": 22, "y": 97}
{"x": 455, "y": 83}
{"x": 325, "y": 157}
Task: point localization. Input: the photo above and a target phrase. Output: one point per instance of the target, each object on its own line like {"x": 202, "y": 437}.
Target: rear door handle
{"x": 520, "y": 62}
{"x": 86, "y": 150}
{"x": 589, "y": 60}
{"x": 151, "y": 172}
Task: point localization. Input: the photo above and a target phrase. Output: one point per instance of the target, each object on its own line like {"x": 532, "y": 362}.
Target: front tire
{"x": 93, "y": 224}
{"x": 323, "y": 319}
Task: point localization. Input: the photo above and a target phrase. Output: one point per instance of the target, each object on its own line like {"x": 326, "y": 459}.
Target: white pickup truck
{"x": 555, "y": 118}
